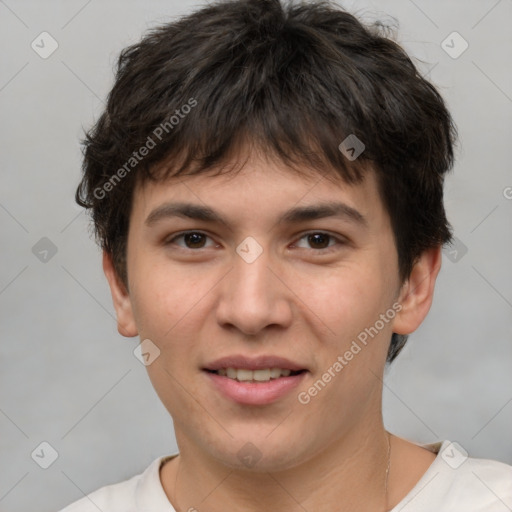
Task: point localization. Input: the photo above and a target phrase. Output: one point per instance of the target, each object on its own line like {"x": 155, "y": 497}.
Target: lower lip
{"x": 255, "y": 393}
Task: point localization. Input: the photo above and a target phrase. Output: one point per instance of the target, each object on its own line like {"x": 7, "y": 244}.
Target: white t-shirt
{"x": 452, "y": 483}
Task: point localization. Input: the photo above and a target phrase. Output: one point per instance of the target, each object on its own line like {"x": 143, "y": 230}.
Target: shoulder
{"x": 110, "y": 498}
{"x": 119, "y": 497}
{"x": 456, "y": 482}
{"x": 487, "y": 483}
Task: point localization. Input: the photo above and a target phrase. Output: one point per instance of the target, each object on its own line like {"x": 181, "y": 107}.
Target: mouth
{"x": 254, "y": 381}
{"x": 263, "y": 375}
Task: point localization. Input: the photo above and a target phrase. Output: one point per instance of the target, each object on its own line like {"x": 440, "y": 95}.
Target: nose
{"x": 254, "y": 296}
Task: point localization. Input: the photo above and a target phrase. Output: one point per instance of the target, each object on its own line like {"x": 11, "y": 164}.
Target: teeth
{"x": 275, "y": 373}
{"x": 261, "y": 375}
{"x": 244, "y": 375}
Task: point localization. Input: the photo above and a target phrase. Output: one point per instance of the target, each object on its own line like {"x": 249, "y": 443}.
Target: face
{"x": 310, "y": 297}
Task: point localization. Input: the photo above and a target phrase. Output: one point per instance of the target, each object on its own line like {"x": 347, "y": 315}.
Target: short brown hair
{"x": 291, "y": 79}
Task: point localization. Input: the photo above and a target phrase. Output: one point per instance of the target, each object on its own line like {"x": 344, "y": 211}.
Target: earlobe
{"x": 120, "y": 297}
{"x": 417, "y": 292}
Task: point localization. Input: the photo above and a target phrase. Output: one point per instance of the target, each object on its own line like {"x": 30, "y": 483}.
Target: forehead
{"x": 260, "y": 189}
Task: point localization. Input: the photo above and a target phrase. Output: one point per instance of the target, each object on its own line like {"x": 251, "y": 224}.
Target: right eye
{"x": 193, "y": 240}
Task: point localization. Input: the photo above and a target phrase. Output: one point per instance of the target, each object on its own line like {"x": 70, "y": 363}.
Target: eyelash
{"x": 340, "y": 242}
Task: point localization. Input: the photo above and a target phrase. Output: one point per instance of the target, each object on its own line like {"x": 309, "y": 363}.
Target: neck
{"x": 349, "y": 474}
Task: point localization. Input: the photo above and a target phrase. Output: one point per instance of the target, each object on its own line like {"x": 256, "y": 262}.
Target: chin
{"x": 259, "y": 454}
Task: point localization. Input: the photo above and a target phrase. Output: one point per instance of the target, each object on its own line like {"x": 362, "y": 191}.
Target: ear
{"x": 121, "y": 299}
{"x": 417, "y": 292}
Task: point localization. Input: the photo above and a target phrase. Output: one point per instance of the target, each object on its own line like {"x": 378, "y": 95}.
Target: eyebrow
{"x": 293, "y": 216}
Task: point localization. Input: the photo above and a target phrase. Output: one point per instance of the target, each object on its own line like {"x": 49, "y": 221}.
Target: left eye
{"x": 320, "y": 238}
{"x": 196, "y": 240}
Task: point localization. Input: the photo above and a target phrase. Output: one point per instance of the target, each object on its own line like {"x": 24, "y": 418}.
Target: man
{"x": 266, "y": 183}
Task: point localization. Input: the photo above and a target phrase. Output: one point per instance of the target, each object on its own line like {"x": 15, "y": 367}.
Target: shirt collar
{"x": 149, "y": 494}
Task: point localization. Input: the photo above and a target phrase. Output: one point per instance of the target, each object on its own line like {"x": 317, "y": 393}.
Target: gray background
{"x": 67, "y": 376}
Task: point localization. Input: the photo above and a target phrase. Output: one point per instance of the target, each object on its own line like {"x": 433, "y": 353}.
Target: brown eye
{"x": 191, "y": 239}
{"x": 194, "y": 240}
{"x": 319, "y": 240}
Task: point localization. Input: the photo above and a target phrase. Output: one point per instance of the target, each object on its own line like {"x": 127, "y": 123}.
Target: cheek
{"x": 344, "y": 299}
{"x": 170, "y": 308}
{"x": 166, "y": 295}
{"x": 177, "y": 394}
{"x": 349, "y": 302}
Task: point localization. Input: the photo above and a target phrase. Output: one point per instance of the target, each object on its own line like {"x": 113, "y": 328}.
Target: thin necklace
{"x": 387, "y": 472}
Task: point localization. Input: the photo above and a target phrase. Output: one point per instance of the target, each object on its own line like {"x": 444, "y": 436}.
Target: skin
{"x": 300, "y": 299}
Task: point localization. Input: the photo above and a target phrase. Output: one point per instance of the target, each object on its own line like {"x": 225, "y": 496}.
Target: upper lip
{"x": 254, "y": 363}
